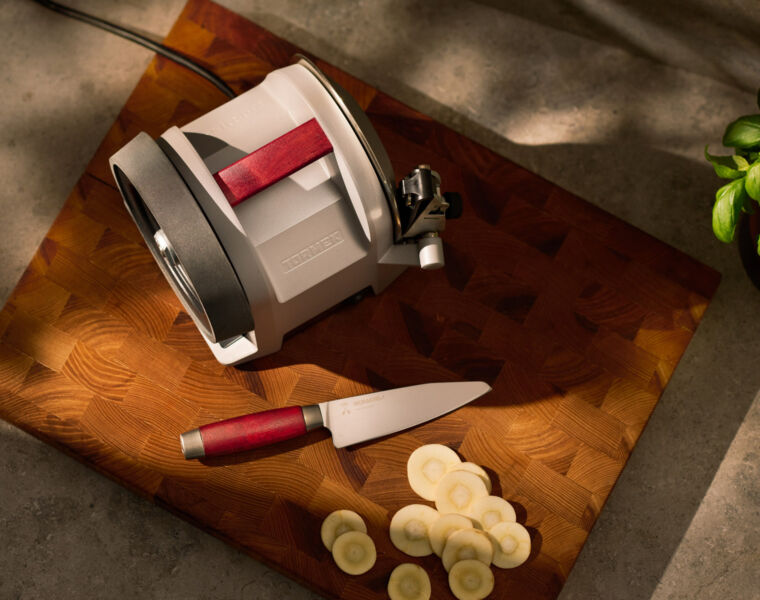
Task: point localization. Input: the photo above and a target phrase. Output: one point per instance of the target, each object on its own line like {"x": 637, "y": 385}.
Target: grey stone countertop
{"x": 614, "y": 104}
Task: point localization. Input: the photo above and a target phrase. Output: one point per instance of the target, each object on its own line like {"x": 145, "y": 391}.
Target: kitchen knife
{"x": 350, "y": 420}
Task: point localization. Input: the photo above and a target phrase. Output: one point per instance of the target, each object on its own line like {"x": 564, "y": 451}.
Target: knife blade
{"x": 350, "y": 420}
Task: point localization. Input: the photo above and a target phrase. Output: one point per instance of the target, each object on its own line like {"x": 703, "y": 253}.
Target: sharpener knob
{"x": 430, "y": 251}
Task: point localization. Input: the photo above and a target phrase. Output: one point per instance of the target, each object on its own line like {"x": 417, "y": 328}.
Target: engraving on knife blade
{"x": 359, "y": 404}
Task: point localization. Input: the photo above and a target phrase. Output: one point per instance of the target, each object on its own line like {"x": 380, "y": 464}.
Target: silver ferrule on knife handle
{"x": 192, "y": 444}
{"x": 312, "y": 417}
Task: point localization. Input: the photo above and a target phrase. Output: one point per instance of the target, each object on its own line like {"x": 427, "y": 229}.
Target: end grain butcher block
{"x": 575, "y": 318}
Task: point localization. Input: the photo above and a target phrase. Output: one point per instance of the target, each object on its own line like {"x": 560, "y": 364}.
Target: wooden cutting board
{"x": 575, "y": 318}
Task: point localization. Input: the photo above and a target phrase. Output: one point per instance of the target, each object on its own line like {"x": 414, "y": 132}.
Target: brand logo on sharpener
{"x": 312, "y": 250}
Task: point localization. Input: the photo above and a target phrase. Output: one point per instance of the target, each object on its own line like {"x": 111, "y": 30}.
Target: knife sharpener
{"x": 274, "y": 207}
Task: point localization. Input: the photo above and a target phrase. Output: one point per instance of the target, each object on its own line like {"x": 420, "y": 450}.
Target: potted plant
{"x": 734, "y": 212}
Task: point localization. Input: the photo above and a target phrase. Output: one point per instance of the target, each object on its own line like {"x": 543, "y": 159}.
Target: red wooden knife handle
{"x": 273, "y": 161}
{"x": 244, "y": 433}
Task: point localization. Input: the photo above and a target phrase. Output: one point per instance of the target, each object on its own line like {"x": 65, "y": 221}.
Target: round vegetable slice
{"x": 467, "y": 544}
{"x": 409, "y": 582}
{"x": 410, "y": 528}
{"x": 490, "y": 510}
{"x": 457, "y": 491}
{"x": 443, "y": 527}
{"x": 427, "y": 465}
{"x": 339, "y": 522}
{"x": 354, "y": 552}
{"x": 477, "y": 469}
{"x": 513, "y": 544}
{"x": 470, "y": 580}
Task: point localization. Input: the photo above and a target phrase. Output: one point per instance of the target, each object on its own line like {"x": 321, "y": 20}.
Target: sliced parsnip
{"x": 443, "y": 527}
{"x": 470, "y": 580}
{"x": 410, "y": 527}
{"x": 466, "y": 544}
{"x": 409, "y": 582}
{"x": 513, "y": 544}
{"x": 477, "y": 469}
{"x": 339, "y": 522}
{"x": 354, "y": 552}
{"x": 490, "y": 510}
{"x": 457, "y": 491}
{"x": 427, "y": 465}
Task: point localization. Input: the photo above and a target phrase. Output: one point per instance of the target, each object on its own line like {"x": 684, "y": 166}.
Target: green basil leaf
{"x": 729, "y": 201}
{"x": 724, "y": 166}
{"x": 752, "y": 181}
{"x": 743, "y": 133}
{"x": 741, "y": 162}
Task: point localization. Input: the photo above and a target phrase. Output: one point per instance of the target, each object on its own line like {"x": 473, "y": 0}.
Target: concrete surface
{"x": 612, "y": 103}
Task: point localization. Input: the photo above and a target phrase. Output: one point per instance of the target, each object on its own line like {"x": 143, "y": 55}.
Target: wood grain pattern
{"x": 575, "y": 318}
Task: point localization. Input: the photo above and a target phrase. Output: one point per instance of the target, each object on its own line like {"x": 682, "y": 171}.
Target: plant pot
{"x": 749, "y": 229}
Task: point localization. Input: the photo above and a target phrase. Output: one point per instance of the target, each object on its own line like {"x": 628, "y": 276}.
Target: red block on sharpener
{"x": 274, "y": 161}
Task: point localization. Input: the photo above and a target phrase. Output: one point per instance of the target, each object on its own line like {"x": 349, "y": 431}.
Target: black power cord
{"x": 138, "y": 38}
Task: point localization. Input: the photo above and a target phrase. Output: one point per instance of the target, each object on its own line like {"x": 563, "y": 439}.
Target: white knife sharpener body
{"x": 287, "y": 253}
